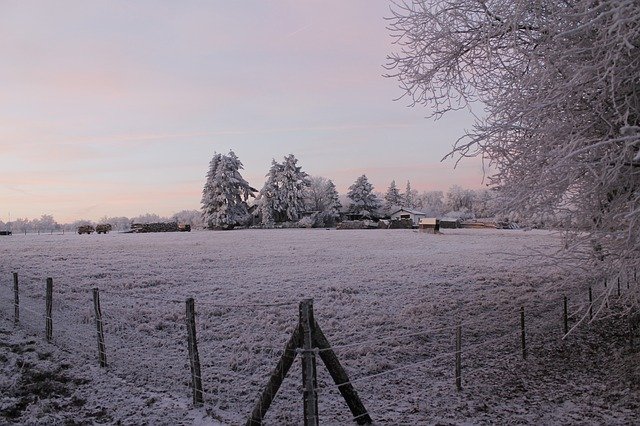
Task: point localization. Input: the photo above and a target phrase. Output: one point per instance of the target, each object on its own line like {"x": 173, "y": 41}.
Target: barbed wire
{"x": 202, "y": 302}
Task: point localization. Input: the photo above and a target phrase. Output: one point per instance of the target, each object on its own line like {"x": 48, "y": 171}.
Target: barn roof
{"x": 409, "y": 211}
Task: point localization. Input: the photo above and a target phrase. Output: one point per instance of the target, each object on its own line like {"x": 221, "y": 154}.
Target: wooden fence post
{"x": 275, "y": 381}
{"x": 522, "y": 334}
{"x": 618, "y": 285}
{"x": 309, "y": 382}
{"x": 340, "y": 378}
{"x": 590, "y": 304}
{"x": 566, "y": 316}
{"x": 194, "y": 358}
{"x": 49, "y": 308}
{"x": 459, "y": 357}
{"x": 16, "y": 299}
{"x": 102, "y": 355}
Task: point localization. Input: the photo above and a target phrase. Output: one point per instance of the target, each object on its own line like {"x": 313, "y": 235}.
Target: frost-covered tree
{"x": 149, "y": 218}
{"x": 225, "y": 193}
{"x": 558, "y": 81}
{"x": 410, "y": 196}
{"x": 459, "y": 199}
{"x": 332, "y": 200}
{"x": 392, "y": 198}
{"x": 282, "y": 198}
{"x": 46, "y": 223}
{"x": 322, "y": 197}
{"x": 188, "y": 217}
{"x": 315, "y": 195}
{"x": 363, "y": 201}
{"x": 431, "y": 203}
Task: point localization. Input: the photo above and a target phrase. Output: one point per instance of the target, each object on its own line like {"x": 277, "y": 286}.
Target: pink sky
{"x": 115, "y": 108}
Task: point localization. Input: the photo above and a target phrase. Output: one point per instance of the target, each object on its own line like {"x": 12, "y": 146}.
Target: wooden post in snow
{"x": 309, "y": 382}
{"x": 102, "y": 355}
{"x": 16, "y": 299}
{"x": 459, "y": 357}
{"x": 566, "y": 316}
{"x": 340, "y": 378}
{"x": 49, "y": 309}
{"x": 275, "y": 381}
{"x": 194, "y": 358}
{"x": 522, "y": 334}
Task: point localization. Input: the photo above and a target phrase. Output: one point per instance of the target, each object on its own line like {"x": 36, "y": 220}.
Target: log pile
{"x": 140, "y": 228}
{"x": 357, "y": 224}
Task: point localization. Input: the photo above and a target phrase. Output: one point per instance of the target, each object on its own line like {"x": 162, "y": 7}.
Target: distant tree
{"x": 46, "y": 223}
{"x": 431, "y": 203}
{"x": 225, "y": 193}
{"x": 149, "y": 218}
{"x": 332, "y": 204}
{"x": 459, "y": 199}
{"x": 315, "y": 196}
{"x": 392, "y": 198}
{"x": 283, "y": 196}
{"x": 22, "y": 224}
{"x": 363, "y": 201}
{"x": 188, "y": 217}
{"x": 323, "y": 199}
{"x": 410, "y": 196}
{"x": 484, "y": 203}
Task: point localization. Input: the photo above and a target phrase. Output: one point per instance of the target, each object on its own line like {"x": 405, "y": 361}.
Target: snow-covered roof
{"x": 409, "y": 211}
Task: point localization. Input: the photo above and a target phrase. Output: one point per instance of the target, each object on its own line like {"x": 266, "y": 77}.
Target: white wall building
{"x": 403, "y": 213}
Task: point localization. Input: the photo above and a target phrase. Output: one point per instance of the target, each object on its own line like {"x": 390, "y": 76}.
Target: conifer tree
{"x": 392, "y": 198}
{"x": 363, "y": 201}
{"x": 283, "y": 194}
{"x": 225, "y": 194}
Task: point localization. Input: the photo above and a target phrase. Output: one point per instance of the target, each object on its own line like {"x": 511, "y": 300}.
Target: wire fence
{"x": 240, "y": 343}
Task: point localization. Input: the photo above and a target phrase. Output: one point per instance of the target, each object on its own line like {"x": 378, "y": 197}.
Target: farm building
{"x": 404, "y": 213}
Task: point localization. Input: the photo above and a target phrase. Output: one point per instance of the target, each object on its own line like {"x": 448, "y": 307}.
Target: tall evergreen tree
{"x": 410, "y": 196}
{"x": 225, "y": 194}
{"x": 283, "y": 194}
{"x": 363, "y": 201}
{"x": 393, "y": 197}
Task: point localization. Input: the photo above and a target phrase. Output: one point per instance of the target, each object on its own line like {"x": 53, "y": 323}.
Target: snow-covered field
{"x": 388, "y": 301}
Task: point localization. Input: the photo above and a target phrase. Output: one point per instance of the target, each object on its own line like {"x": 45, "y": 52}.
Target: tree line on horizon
{"x": 289, "y": 196}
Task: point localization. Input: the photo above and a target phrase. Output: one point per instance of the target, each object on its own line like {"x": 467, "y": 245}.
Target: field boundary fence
{"x": 110, "y": 328}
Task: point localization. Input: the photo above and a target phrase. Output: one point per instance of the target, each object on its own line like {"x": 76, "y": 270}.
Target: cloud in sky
{"x": 133, "y": 98}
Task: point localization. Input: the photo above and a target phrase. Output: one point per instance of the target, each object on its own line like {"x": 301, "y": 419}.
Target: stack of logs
{"x": 159, "y": 227}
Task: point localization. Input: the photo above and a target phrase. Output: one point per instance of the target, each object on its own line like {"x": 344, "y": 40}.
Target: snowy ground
{"x": 388, "y": 301}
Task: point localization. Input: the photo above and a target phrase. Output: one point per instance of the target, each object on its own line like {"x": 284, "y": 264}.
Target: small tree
{"x": 363, "y": 201}
{"x": 225, "y": 194}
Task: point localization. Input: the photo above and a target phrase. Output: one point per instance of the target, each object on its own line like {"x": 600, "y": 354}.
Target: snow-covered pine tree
{"x": 283, "y": 194}
{"x": 224, "y": 200}
{"x": 269, "y": 196}
{"x": 392, "y": 198}
{"x": 332, "y": 204}
{"x": 363, "y": 201}
{"x": 207, "y": 200}
{"x": 410, "y": 196}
